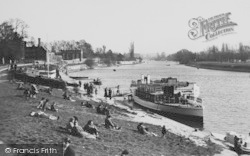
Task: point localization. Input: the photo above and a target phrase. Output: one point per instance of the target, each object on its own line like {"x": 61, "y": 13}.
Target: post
{"x": 47, "y": 60}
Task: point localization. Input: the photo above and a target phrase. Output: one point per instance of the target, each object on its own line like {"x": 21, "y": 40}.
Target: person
{"x": 236, "y": 144}
{"x": 41, "y": 114}
{"x": 110, "y": 93}
{"x": 91, "y": 128}
{"x": 27, "y": 93}
{"x": 50, "y": 90}
{"x": 20, "y": 86}
{"x": 41, "y": 103}
{"x": 105, "y": 92}
{"x": 142, "y": 129}
{"x": 65, "y": 95}
{"x": 87, "y": 104}
{"x": 52, "y": 107}
{"x": 15, "y": 67}
{"x": 99, "y": 109}
{"x": 118, "y": 90}
{"x": 96, "y": 91}
{"x": 105, "y": 111}
{"x": 44, "y": 104}
{"x": 125, "y": 152}
{"x": 163, "y": 131}
{"x": 70, "y": 125}
{"x": 67, "y": 149}
{"x": 109, "y": 124}
{"x": 34, "y": 90}
{"x": 76, "y": 129}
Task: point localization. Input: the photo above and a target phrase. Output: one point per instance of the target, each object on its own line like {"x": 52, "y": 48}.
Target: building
{"x": 35, "y": 52}
{"x": 72, "y": 54}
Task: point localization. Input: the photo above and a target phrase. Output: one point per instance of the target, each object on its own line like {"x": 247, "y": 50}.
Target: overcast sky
{"x": 153, "y": 25}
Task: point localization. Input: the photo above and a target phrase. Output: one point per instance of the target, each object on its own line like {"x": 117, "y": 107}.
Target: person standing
{"x": 163, "y": 131}
{"x": 106, "y": 92}
{"x": 110, "y": 93}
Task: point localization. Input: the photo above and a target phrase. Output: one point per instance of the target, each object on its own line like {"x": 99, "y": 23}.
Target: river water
{"x": 225, "y": 94}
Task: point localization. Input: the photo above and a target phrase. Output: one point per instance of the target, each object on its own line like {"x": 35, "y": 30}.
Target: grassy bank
{"x": 17, "y": 127}
{"x": 226, "y": 66}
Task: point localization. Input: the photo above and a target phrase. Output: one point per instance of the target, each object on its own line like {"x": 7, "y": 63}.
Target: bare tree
{"x": 19, "y": 26}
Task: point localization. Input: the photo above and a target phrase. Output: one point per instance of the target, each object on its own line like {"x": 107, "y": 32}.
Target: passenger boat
{"x": 169, "y": 96}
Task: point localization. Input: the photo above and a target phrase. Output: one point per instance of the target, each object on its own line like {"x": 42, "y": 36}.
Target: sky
{"x": 154, "y": 26}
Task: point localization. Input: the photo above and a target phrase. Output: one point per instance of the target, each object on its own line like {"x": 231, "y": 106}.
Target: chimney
{"x": 39, "y": 42}
{"x": 148, "y": 79}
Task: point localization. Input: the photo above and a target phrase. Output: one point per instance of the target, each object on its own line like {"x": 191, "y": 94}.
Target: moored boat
{"x": 169, "y": 96}
{"x": 79, "y": 77}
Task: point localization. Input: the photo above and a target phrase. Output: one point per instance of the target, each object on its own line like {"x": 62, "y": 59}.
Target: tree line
{"x": 14, "y": 37}
{"x": 225, "y": 54}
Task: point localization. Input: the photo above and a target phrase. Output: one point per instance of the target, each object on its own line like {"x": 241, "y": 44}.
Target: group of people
{"x": 29, "y": 92}
{"x": 89, "y": 87}
{"x": 142, "y": 129}
{"x": 44, "y": 102}
{"x": 67, "y": 96}
{"x": 100, "y": 109}
{"x": 108, "y": 93}
{"x": 75, "y": 129}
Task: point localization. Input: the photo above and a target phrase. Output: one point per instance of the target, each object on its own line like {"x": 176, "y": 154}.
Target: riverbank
{"x": 180, "y": 140}
{"x": 225, "y": 66}
{"x": 18, "y": 127}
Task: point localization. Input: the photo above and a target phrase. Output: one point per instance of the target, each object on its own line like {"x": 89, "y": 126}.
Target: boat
{"x": 97, "y": 82}
{"x": 79, "y": 77}
{"x": 169, "y": 97}
{"x": 239, "y": 142}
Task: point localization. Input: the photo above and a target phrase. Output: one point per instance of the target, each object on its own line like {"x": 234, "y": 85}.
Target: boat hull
{"x": 174, "y": 111}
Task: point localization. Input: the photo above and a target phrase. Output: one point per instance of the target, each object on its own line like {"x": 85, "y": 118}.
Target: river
{"x": 225, "y": 94}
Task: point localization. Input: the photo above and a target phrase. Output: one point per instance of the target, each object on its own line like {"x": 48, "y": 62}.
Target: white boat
{"x": 170, "y": 97}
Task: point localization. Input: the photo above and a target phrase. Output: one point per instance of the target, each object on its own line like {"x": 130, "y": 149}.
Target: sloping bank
{"x": 226, "y": 66}
{"x": 181, "y": 140}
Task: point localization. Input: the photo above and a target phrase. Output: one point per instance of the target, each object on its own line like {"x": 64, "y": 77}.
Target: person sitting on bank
{"x": 87, "y": 104}
{"x": 91, "y": 128}
{"x": 109, "y": 124}
{"x": 20, "y": 86}
{"x": 65, "y": 95}
{"x": 77, "y": 130}
{"x": 70, "y": 125}
{"x": 142, "y": 129}
{"x": 34, "y": 90}
{"x": 52, "y": 107}
{"x": 99, "y": 109}
{"x": 41, "y": 114}
{"x": 40, "y": 106}
{"x": 26, "y": 93}
{"x": 67, "y": 149}
{"x": 44, "y": 104}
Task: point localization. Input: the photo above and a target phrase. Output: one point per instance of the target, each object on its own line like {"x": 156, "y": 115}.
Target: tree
{"x": 20, "y": 27}
{"x": 90, "y": 62}
{"x": 11, "y": 43}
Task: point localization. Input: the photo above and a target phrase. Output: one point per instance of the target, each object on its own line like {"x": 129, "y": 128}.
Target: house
{"x": 35, "y": 52}
{"x": 72, "y": 54}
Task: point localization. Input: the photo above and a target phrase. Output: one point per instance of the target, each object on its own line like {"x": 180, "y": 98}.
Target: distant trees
{"x": 213, "y": 54}
{"x": 161, "y": 57}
